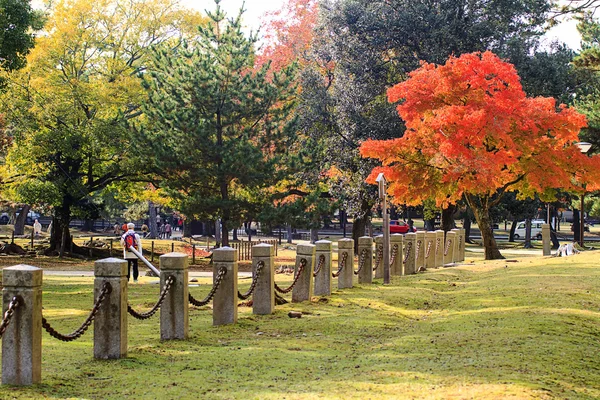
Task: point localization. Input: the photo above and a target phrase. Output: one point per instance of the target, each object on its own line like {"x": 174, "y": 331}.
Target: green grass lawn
{"x": 526, "y": 329}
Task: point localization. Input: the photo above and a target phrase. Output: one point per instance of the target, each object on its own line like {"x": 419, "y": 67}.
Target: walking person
{"x": 167, "y": 231}
{"x": 37, "y": 228}
{"x": 131, "y": 239}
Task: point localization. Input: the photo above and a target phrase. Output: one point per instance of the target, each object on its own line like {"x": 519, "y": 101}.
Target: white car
{"x": 536, "y": 229}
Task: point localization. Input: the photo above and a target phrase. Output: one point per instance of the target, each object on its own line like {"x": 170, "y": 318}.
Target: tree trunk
{"x": 513, "y": 228}
{"x": 482, "y": 216}
{"x": 448, "y": 218}
{"x": 528, "y": 234}
{"x": 467, "y": 225}
{"x": 88, "y": 225}
{"x": 21, "y": 219}
{"x": 358, "y": 230}
{"x": 217, "y": 233}
{"x": 290, "y": 234}
{"x": 235, "y": 236}
{"x": 314, "y": 235}
{"x": 576, "y": 235}
{"x": 60, "y": 237}
{"x": 152, "y": 220}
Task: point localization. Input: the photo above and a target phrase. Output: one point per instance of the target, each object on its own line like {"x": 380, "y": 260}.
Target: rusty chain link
{"x": 448, "y": 243}
{"x": 428, "y": 251}
{"x": 394, "y": 254}
{"x": 14, "y": 303}
{"x": 300, "y": 269}
{"x": 437, "y": 245}
{"x": 460, "y": 243}
{"x": 342, "y": 265}
{"x": 407, "y": 252}
{"x": 379, "y": 257}
{"x": 361, "y": 261}
{"x": 199, "y": 303}
{"x": 259, "y": 266}
{"x": 76, "y": 334}
{"x": 161, "y": 298}
{"x": 418, "y": 248}
{"x": 320, "y": 265}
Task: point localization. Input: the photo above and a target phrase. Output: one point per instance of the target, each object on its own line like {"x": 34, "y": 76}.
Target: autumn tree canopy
{"x": 472, "y": 132}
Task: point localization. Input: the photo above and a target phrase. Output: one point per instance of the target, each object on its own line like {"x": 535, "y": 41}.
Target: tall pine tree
{"x": 221, "y": 124}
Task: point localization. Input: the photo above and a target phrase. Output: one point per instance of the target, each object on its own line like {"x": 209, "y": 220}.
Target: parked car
{"x": 536, "y": 229}
{"x": 400, "y": 227}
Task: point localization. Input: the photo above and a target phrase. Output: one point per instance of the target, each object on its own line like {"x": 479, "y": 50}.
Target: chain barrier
{"x": 407, "y": 252}
{"x": 161, "y": 298}
{"x": 243, "y": 296}
{"x": 460, "y": 242}
{"x": 342, "y": 265}
{"x": 300, "y": 269}
{"x": 361, "y": 261}
{"x": 418, "y": 248}
{"x": 76, "y": 334}
{"x": 14, "y": 303}
{"x": 394, "y": 254}
{"x": 321, "y": 263}
{"x": 437, "y": 245}
{"x": 379, "y": 257}
{"x": 428, "y": 251}
{"x": 200, "y": 303}
{"x": 448, "y": 243}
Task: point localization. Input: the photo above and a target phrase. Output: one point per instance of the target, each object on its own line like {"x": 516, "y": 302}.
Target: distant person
{"x": 128, "y": 240}
{"x": 144, "y": 230}
{"x": 167, "y": 231}
{"x": 117, "y": 229}
{"x": 37, "y": 228}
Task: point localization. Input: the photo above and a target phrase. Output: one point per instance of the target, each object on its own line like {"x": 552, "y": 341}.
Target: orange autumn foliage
{"x": 472, "y": 130}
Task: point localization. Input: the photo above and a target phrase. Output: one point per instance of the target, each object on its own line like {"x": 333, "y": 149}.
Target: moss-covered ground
{"x": 487, "y": 330}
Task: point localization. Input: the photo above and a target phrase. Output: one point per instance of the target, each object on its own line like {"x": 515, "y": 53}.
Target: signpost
{"x": 386, "y": 229}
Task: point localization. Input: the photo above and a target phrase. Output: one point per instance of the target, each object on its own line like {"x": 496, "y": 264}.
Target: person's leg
{"x": 136, "y": 271}
{"x": 128, "y": 269}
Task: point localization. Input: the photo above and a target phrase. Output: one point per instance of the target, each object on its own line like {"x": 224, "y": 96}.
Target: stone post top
{"x": 346, "y": 243}
{"x": 173, "y": 261}
{"x": 323, "y": 245}
{"x": 545, "y": 226}
{"x": 430, "y": 234}
{"x": 110, "y": 267}
{"x": 365, "y": 240}
{"x": 306, "y": 249}
{"x": 439, "y": 231}
{"x": 410, "y": 235}
{"x": 451, "y": 233}
{"x": 455, "y": 229}
{"x": 263, "y": 250}
{"x": 225, "y": 254}
{"x": 396, "y": 237}
{"x": 22, "y": 276}
{"x": 379, "y": 239}
{"x": 420, "y": 234}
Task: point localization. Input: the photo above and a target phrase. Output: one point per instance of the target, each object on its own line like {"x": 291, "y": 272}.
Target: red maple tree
{"x": 473, "y": 134}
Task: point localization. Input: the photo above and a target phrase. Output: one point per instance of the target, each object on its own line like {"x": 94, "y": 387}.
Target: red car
{"x": 400, "y": 227}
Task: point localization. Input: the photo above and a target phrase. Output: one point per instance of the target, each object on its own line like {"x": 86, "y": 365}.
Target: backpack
{"x": 130, "y": 241}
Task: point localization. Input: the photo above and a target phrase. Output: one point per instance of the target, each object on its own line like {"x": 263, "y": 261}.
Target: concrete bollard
{"x": 225, "y": 308}
{"x": 430, "y": 249}
{"x": 346, "y": 246}
{"x": 462, "y": 243}
{"x": 323, "y": 277}
{"x": 303, "y": 291}
{"x": 365, "y": 246}
{"x": 410, "y": 250}
{"x": 456, "y": 254}
{"x": 379, "y": 256}
{"x": 449, "y": 247}
{"x": 263, "y": 299}
{"x": 546, "y": 243}
{"x": 420, "y": 254}
{"x": 110, "y": 324}
{"x": 396, "y": 243}
{"x": 174, "y": 321}
{"x": 22, "y": 340}
{"x": 439, "y": 248}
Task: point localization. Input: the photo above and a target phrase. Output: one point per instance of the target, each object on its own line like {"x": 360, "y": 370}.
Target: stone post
{"x": 378, "y": 251}
{"x": 456, "y": 254}
{"x": 365, "y": 243}
{"x": 396, "y": 266}
{"x": 22, "y": 340}
{"x": 110, "y": 324}
{"x": 420, "y": 255}
{"x": 449, "y": 247}
{"x": 411, "y": 244}
{"x": 462, "y": 243}
{"x": 346, "y": 246}
{"x": 303, "y": 291}
{"x": 546, "y": 243}
{"x": 439, "y": 246}
{"x": 225, "y": 308}
{"x": 263, "y": 299}
{"x": 174, "y": 321}
{"x": 323, "y": 278}
{"x": 430, "y": 249}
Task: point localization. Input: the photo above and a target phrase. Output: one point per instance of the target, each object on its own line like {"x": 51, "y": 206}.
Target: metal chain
{"x": 407, "y": 252}
{"x": 299, "y": 272}
{"x": 76, "y": 334}
{"x": 459, "y": 242}
{"x": 361, "y": 261}
{"x": 437, "y": 245}
{"x": 320, "y": 265}
{"x": 14, "y": 303}
{"x": 342, "y": 265}
{"x": 448, "y": 243}
{"x": 259, "y": 267}
{"x": 199, "y": 303}
{"x": 418, "y": 249}
{"x": 394, "y": 254}
{"x": 379, "y": 257}
{"x": 428, "y": 251}
{"x": 161, "y": 298}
